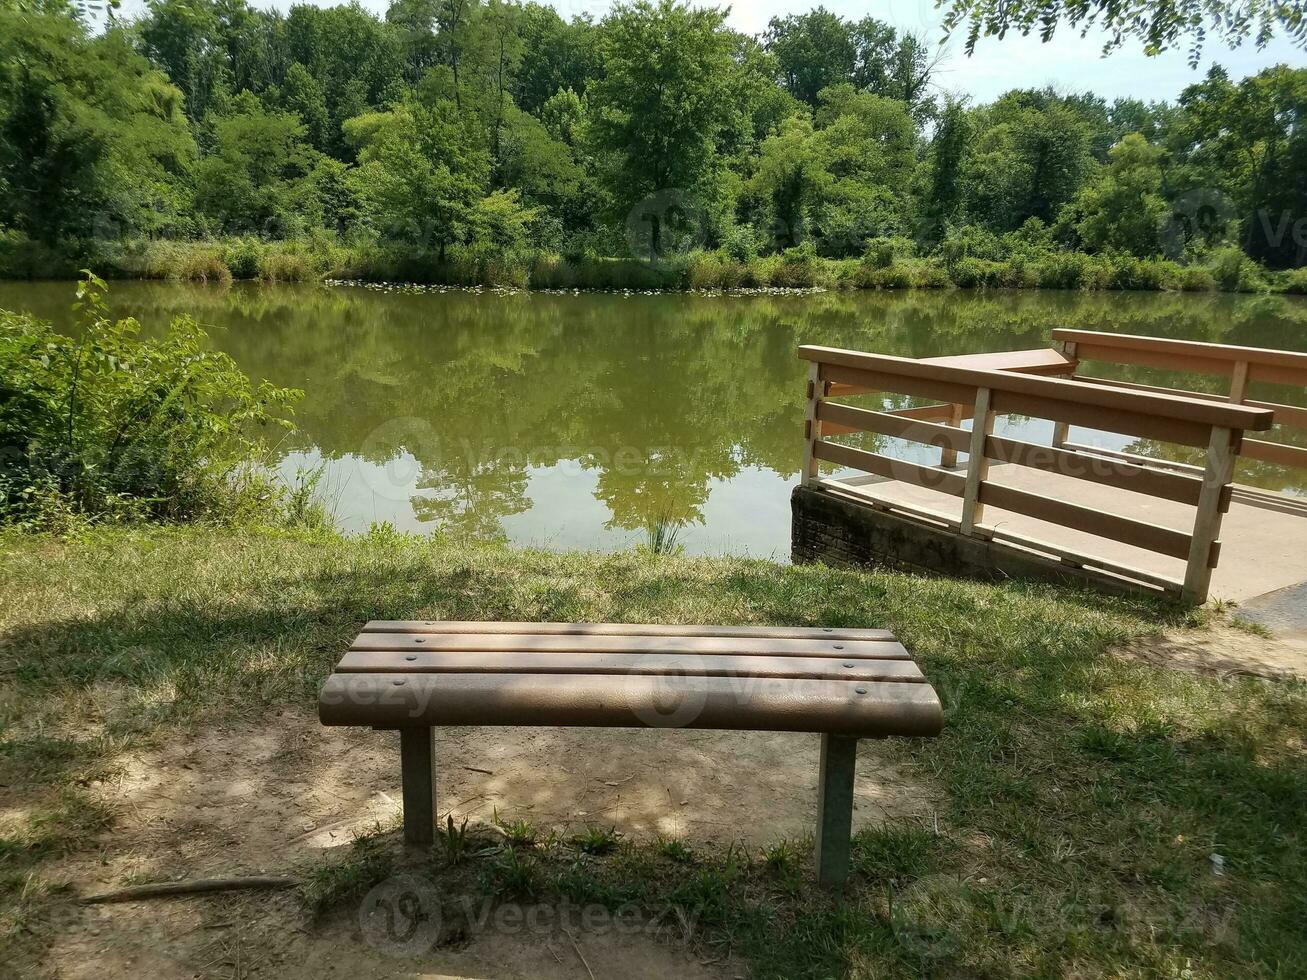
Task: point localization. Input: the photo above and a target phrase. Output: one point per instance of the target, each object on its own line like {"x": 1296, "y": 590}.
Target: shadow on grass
{"x": 1087, "y": 794}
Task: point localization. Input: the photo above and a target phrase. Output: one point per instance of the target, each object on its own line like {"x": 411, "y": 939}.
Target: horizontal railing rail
{"x": 1243, "y": 365}
{"x": 965, "y": 391}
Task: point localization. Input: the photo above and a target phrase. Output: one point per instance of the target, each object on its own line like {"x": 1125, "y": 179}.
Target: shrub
{"x": 551, "y": 271}
{"x": 742, "y": 243}
{"x": 1019, "y": 272}
{"x": 243, "y": 258}
{"x": 1071, "y": 270}
{"x": 970, "y": 273}
{"x": 1233, "y": 271}
{"x": 1193, "y": 279}
{"x": 1129, "y": 272}
{"x": 799, "y": 268}
{"x": 106, "y": 424}
{"x": 23, "y": 258}
{"x": 881, "y": 253}
{"x": 929, "y": 274}
{"x": 281, "y": 263}
{"x": 1295, "y": 281}
{"x": 970, "y": 242}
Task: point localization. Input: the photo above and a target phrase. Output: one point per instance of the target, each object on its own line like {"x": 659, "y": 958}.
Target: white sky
{"x": 1068, "y": 62}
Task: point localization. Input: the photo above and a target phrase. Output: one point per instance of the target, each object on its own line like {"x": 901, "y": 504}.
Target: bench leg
{"x": 835, "y": 809}
{"x": 417, "y": 769}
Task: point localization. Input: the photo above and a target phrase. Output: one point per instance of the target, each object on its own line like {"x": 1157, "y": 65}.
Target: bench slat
{"x": 536, "y": 662}
{"x": 864, "y": 709}
{"x": 623, "y": 629}
{"x": 761, "y": 646}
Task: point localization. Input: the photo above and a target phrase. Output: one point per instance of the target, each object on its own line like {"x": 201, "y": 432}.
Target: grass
{"x": 1084, "y": 795}
{"x": 321, "y": 256}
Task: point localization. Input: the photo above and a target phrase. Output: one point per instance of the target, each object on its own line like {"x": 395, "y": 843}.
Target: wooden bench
{"x": 843, "y": 684}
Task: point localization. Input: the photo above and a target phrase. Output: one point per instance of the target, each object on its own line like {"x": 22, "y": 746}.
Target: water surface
{"x": 574, "y": 420}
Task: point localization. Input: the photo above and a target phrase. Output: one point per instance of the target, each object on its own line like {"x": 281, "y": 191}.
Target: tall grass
{"x": 889, "y": 264}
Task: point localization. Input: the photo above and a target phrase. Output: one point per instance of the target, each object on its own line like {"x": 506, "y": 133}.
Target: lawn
{"x": 1086, "y": 795}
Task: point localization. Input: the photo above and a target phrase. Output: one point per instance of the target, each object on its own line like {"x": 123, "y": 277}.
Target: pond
{"x": 575, "y": 421}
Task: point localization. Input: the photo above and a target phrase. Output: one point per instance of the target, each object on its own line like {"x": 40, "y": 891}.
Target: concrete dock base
{"x": 843, "y": 531}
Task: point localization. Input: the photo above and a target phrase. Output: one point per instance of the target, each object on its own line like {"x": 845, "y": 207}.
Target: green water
{"x": 572, "y": 421}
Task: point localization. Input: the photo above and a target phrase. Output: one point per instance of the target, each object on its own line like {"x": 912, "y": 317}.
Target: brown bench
{"x": 843, "y": 684}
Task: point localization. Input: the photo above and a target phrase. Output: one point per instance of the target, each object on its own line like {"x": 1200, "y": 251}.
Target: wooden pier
{"x": 1067, "y": 509}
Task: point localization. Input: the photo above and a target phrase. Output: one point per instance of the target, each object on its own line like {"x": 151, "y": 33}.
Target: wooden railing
{"x": 1214, "y": 426}
{"x": 1242, "y": 365}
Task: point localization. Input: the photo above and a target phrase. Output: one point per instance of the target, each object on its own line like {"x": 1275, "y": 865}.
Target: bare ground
{"x": 279, "y": 795}
{"x": 1226, "y": 650}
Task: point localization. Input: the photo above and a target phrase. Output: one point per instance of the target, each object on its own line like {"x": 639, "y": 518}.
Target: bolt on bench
{"x": 843, "y": 684}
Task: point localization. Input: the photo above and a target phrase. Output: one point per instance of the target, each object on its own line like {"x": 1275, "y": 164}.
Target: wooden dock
{"x": 1180, "y": 528}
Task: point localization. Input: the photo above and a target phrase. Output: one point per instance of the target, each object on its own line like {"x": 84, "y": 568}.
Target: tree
{"x": 421, "y": 171}
{"x": 1158, "y": 26}
{"x": 1032, "y": 153}
{"x": 947, "y": 161}
{"x": 303, "y": 96}
{"x": 255, "y": 179}
{"x": 814, "y": 50}
{"x": 1246, "y": 143}
{"x": 786, "y": 182}
{"x": 1123, "y": 210}
{"x": 662, "y": 104}
{"x": 93, "y": 141}
{"x": 865, "y": 147}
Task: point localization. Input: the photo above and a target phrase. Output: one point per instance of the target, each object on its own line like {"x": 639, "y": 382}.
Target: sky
{"x": 1068, "y": 62}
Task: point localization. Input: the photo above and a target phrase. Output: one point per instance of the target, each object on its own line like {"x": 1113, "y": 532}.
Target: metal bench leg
{"x": 835, "y": 809}
{"x": 416, "y": 764}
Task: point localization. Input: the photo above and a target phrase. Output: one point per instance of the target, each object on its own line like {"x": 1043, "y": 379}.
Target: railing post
{"x": 1221, "y": 451}
{"x": 811, "y": 424}
{"x": 1061, "y": 429}
{"x": 948, "y": 456}
{"x": 1239, "y": 382}
{"x": 982, "y": 425}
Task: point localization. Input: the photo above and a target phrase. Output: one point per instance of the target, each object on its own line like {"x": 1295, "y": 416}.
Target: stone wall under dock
{"x": 840, "y": 530}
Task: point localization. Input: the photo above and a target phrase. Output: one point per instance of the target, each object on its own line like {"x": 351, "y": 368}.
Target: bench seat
{"x": 842, "y": 684}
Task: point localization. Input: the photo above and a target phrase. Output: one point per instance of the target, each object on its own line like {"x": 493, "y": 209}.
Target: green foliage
{"x": 92, "y": 139}
{"x": 662, "y": 103}
{"x": 1233, "y": 271}
{"x": 493, "y": 142}
{"x": 103, "y": 423}
{"x": 597, "y": 840}
{"x": 1157, "y": 27}
{"x": 1123, "y": 210}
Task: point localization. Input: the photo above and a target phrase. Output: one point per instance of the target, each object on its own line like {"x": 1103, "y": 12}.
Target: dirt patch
{"x": 1226, "y": 651}
{"x": 277, "y": 795}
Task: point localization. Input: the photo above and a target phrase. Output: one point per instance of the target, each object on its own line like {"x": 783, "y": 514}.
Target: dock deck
{"x": 1264, "y": 539}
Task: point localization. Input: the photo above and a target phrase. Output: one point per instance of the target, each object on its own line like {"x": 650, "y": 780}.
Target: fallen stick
{"x": 196, "y": 886}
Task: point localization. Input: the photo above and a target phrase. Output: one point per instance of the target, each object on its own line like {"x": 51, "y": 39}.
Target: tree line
{"x": 499, "y": 128}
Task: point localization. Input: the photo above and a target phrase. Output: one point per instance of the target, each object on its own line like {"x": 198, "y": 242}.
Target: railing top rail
{"x": 1074, "y": 392}
{"x": 1226, "y": 353}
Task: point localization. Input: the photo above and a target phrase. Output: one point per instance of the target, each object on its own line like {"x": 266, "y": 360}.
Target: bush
{"x": 1128, "y": 272}
{"x": 1193, "y": 279}
{"x": 1233, "y": 271}
{"x": 881, "y": 253}
{"x": 551, "y": 271}
{"x": 1294, "y": 281}
{"x": 969, "y": 273}
{"x": 280, "y": 263}
{"x": 970, "y": 242}
{"x": 107, "y": 424}
{"x": 1070, "y": 270}
{"x": 244, "y": 258}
